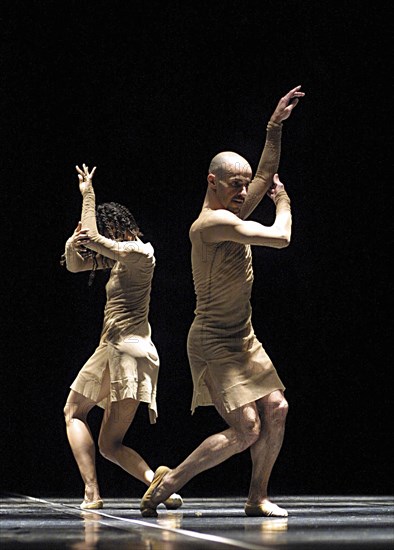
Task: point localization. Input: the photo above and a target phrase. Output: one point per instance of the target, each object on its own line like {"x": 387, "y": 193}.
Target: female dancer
{"x": 123, "y": 369}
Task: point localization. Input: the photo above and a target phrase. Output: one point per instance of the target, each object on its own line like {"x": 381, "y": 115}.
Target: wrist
{"x": 87, "y": 188}
{"x": 281, "y": 196}
{"x": 70, "y": 244}
{"x": 275, "y": 128}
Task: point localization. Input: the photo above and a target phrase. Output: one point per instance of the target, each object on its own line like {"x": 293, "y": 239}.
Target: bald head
{"x": 228, "y": 162}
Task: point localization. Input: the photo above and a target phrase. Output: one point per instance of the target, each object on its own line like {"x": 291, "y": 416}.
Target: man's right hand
{"x": 276, "y": 187}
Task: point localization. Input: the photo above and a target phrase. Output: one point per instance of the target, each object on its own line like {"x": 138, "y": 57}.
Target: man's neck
{"x": 210, "y": 200}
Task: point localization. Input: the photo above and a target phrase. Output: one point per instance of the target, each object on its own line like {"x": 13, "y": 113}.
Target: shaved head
{"x": 228, "y": 162}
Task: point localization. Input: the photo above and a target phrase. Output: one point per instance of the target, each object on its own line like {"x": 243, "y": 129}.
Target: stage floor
{"x": 314, "y": 522}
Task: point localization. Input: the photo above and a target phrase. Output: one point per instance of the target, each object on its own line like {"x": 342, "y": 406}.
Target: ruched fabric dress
{"x": 125, "y": 344}
{"x": 221, "y": 340}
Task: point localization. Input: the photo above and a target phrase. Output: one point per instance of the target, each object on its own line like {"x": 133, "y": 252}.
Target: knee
{"x": 275, "y": 413}
{"x": 73, "y": 411}
{"x": 248, "y": 433}
{"x": 108, "y": 448}
{"x": 69, "y": 413}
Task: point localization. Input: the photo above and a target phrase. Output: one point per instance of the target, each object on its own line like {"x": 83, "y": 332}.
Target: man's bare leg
{"x": 264, "y": 453}
{"x": 243, "y": 432}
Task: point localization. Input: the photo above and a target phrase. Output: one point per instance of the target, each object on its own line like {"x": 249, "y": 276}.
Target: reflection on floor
{"x": 314, "y": 522}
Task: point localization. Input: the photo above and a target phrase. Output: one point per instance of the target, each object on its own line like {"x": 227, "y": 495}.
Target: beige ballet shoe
{"x": 173, "y": 502}
{"x": 148, "y": 510}
{"x": 268, "y": 509}
{"x": 94, "y": 505}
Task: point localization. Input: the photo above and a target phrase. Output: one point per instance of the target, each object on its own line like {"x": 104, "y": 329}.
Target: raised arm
{"x": 124, "y": 251}
{"x": 226, "y": 226}
{"x": 76, "y": 256}
{"x": 269, "y": 160}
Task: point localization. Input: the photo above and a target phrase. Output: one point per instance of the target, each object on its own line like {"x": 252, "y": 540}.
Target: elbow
{"x": 283, "y": 241}
{"x": 282, "y": 244}
{"x": 283, "y": 235}
{"x": 72, "y": 266}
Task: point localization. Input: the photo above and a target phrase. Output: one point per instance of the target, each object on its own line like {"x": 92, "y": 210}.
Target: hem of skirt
{"x": 199, "y": 401}
{"x": 152, "y": 410}
{"x": 103, "y": 404}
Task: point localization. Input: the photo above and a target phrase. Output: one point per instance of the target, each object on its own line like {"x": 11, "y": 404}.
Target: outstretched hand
{"x": 286, "y": 105}
{"x": 85, "y": 178}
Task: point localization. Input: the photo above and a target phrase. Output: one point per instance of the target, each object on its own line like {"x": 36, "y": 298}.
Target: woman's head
{"x": 116, "y": 222}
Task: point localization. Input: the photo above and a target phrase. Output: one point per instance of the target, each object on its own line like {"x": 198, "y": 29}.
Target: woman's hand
{"x": 80, "y": 238}
{"x": 85, "y": 178}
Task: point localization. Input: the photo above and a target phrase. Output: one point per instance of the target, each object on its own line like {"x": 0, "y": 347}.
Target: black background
{"x": 149, "y": 92}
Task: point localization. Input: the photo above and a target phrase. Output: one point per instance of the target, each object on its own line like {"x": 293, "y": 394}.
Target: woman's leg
{"x": 116, "y": 422}
{"x": 80, "y": 437}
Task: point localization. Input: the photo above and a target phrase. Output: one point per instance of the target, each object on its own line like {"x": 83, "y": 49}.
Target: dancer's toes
{"x": 147, "y": 512}
{"x": 266, "y": 509}
{"x": 92, "y": 505}
{"x": 173, "y": 502}
{"x": 147, "y": 507}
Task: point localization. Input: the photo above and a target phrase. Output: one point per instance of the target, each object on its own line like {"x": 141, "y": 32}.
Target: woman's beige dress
{"x": 125, "y": 344}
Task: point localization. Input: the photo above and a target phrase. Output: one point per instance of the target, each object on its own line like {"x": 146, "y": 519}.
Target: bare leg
{"x": 115, "y": 424}
{"x": 81, "y": 439}
{"x": 265, "y": 450}
{"x": 81, "y": 442}
{"x": 243, "y": 432}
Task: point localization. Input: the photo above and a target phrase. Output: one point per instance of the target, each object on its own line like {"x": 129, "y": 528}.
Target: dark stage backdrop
{"x": 149, "y": 92}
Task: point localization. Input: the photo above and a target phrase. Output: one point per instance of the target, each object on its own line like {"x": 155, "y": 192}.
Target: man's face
{"x": 232, "y": 188}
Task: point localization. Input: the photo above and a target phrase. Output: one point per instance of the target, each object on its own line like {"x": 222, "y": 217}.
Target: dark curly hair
{"x": 113, "y": 221}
